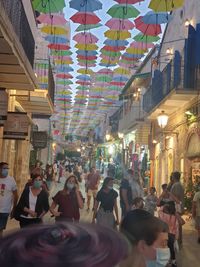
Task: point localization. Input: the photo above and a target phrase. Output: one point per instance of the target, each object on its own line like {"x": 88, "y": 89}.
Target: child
{"x": 168, "y": 214}
{"x": 151, "y": 201}
{"x": 138, "y": 203}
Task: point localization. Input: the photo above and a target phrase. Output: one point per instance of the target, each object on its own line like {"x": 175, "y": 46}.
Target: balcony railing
{"x": 17, "y": 16}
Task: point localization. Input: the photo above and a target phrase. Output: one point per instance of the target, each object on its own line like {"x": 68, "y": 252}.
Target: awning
{"x": 36, "y": 102}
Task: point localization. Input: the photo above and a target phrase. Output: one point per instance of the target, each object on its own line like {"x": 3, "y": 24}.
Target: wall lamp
{"x": 162, "y": 119}
{"x": 187, "y": 23}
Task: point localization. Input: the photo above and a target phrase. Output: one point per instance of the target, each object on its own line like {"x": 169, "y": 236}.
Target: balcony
{"x": 168, "y": 91}
{"x": 131, "y": 117}
{"x": 17, "y": 47}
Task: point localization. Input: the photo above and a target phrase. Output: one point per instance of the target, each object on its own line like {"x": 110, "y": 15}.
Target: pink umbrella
{"x": 147, "y": 29}
{"x": 105, "y": 71}
{"x": 64, "y": 75}
{"x": 85, "y": 38}
{"x": 52, "y": 19}
{"x": 84, "y": 64}
{"x": 140, "y": 45}
{"x": 119, "y": 24}
{"x": 85, "y": 18}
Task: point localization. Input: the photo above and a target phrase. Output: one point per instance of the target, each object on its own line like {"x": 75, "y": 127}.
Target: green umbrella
{"x": 104, "y": 78}
{"x": 123, "y": 11}
{"x": 111, "y": 53}
{"x": 140, "y": 37}
{"x": 114, "y": 88}
{"x": 87, "y": 27}
{"x": 48, "y": 6}
{"x": 86, "y": 60}
{"x": 61, "y": 52}
{"x": 65, "y": 82}
{"x": 82, "y": 88}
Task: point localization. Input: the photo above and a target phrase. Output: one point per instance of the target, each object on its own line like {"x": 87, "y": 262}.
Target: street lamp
{"x": 162, "y": 119}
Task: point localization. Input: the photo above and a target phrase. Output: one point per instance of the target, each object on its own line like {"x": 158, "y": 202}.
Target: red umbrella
{"x": 113, "y": 48}
{"x": 129, "y": 1}
{"x": 87, "y": 57}
{"x": 58, "y": 47}
{"x": 85, "y": 18}
{"x": 129, "y": 58}
{"x": 117, "y": 83}
{"x": 119, "y": 24}
{"x": 147, "y": 29}
{"x": 64, "y": 75}
{"x": 83, "y": 82}
{"x": 85, "y": 38}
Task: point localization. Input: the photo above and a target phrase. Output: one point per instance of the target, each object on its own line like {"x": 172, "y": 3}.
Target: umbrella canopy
{"x": 147, "y": 29}
{"x": 110, "y": 53}
{"x": 120, "y": 78}
{"x": 64, "y": 75}
{"x": 52, "y": 19}
{"x": 83, "y": 77}
{"x": 64, "y": 68}
{"x": 60, "y": 53}
{"x": 85, "y": 71}
{"x": 58, "y": 47}
{"x": 104, "y": 78}
{"x": 86, "y": 46}
{"x": 105, "y": 71}
{"x": 156, "y": 17}
{"x": 113, "y": 48}
{"x": 132, "y": 50}
{"x": 120, "y": 24}
{"x": 163, "y": 5}
{"x": 145, "y": 38}
{"x": 86, "y": 5}
{"x": 86, "y": 64}
{"x": 48, "y": 6}
{"x": 87, "y": 57}
{"x": 85, "y": 18}
{"x": 64, "y": 82}
{"x": 87, "y": 27}
{"x": 85, "y": 38}
{"x": 122, "y": 71}
{"x": 123, "y": 11}
{"x": 139, "y": 45}
{"x": 117, "y": 35}
{"x": 86, "y": 53}
{"x": 56, "y": 39}
{"x": 129, "y": 1}
{"x": 54, "y": 30}
{"x": 115, "y": 42}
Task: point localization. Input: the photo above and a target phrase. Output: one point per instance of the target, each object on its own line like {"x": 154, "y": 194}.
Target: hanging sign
{"x": 3, "y": 106}
{"x": 16, "y": 127}
{"x": 39, "y": 139}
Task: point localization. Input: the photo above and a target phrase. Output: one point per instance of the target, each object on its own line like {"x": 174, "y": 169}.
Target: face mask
{"x": 70, "y": 186}
{"x": 110, "y": 187}
{"x": 4, "y": 172}
{"x": 162, "y": 258}
{"x": 37, "y": 184}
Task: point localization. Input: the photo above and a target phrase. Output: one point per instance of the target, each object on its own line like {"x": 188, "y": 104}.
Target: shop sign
{"x": 3, "y": 106}
{"x": 16, "y": 127}
{"x": 39, "y": 139}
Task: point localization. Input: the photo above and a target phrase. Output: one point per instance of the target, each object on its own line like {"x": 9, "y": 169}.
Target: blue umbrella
{"x": 156, "y": 18}
{"x": 86, "y": 53}
{"x": 83, "y": 77}
{"x": 55, "y": 39}
{"x": 107, "y": 65}
{"x": 85, "y": 5}
{"x": 64, "y": 68}
{"x": 116, "y": 42}
{"x": 120, "y": 78}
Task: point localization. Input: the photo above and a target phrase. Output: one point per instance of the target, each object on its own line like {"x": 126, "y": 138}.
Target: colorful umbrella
{"x": 60, "y": 53}
{"x": 122, "y": 71}
{"x": 58, "y": 47}
{"x": 87, "y": 57}
{"x": 110, "y": 53}
{"x": 132, "y": 50}
{"x": 129, "y": 1}
{"x": 116, "y": 42}
{"x": 85, "y": 38}
{"x": 104, "y": 78}
{"x": 48, "y": 6}
{"x": 86, "y": 46}
{"x": 120, "y": 78}
{"x": 56, "y": 39}
{"x": 85, "y": 18}
{"x": 147, "y": 29}
{"x": 86, "y": 53}
{"x": 145, "y": 38}
{"x": 64, "y": 68}
{"x": 64, "y": 75}
{"x": 87, "y": 27}
{"x": 52, "y": 19}
{"x": 54, "y": 30}
{"x": 165, "y": 5}
{"x": 83, "y": 77}
{"x": 156, "y": 18}
{"x": 113, "y": 48}
{"x": 117, "y": 35}
{"x": 123, "y": 11}
{"x": 119, "y": 24}
{"x": 86, "y": 5}
{"x": 139, "y": 45}
{"x": 85, "y": 71}
{"x": 64, "y": 82}
{"x": 105, "y": 71}
{"x": 86, "y": 64}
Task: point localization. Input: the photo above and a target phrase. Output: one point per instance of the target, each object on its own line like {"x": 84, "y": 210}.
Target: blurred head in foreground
{"x": 61, "y": 245}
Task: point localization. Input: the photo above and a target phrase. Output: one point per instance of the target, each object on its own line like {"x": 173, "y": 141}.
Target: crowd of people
{"x": 150, "y": 225}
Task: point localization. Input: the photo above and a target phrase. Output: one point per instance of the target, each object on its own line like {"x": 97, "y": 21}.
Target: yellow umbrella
{"x": 135, "y": 51}
{"x": 117, "y": 35}
{"x": 112, "y": 61}
{"x": 85, "y": 71}
{"x": 165, "y": 5}
{"x": 86, "y": 47}
{"x": 63, "y": 62}
{"x": 54, "y": 30}
{"x": 122, "y": 71}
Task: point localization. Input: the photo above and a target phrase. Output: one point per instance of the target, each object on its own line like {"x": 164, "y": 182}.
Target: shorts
{"x": 3, "y": 220}
{"x": 197, "y": 222}
{"x": 91, "y": 193}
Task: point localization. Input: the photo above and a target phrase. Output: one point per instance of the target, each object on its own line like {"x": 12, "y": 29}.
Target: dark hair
{"x": 62, "y": 245}
{"x": 153, "y": 188}
{"x": 2, "y": 164}
{"x": 74, "y": 176}
{"x": 141, "y": 225}
{"x": 176, "y": 176}
{"x": 137, "y": 200}
{"x": 35, "y": 175}
{"x": 106, "y": 181}
{"x": 164, "y": 186}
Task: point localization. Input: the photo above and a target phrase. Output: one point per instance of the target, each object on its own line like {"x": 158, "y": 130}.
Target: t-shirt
{"x": 178, "y": 191}
{"x": 197, "y": 200}
{"x": 67, "y": 205}
{"x": 107, "y": 199}
{"x": 125, "y": 185}
{"x": 7, "y": 186}
{"x": 92, "y": 181}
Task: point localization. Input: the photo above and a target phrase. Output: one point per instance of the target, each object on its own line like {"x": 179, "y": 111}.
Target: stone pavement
{"x": 189, "y": 254}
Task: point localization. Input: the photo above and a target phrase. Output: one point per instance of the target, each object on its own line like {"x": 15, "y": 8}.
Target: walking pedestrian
{"x": 8, "y": 196}
{"x": 151, "y": 201}
{"x": 49, "y": 176}
{"x": 196, "y": 212}
{"x": 126, "y": 199}
{"x": 69, "y": 201}
{"x": 92, "y": 183}
{"x": 33, "y": 203}
{"x": 105, "y": 203}
{"x": 166, "y": 197}
{"x": 134, "y": 180}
